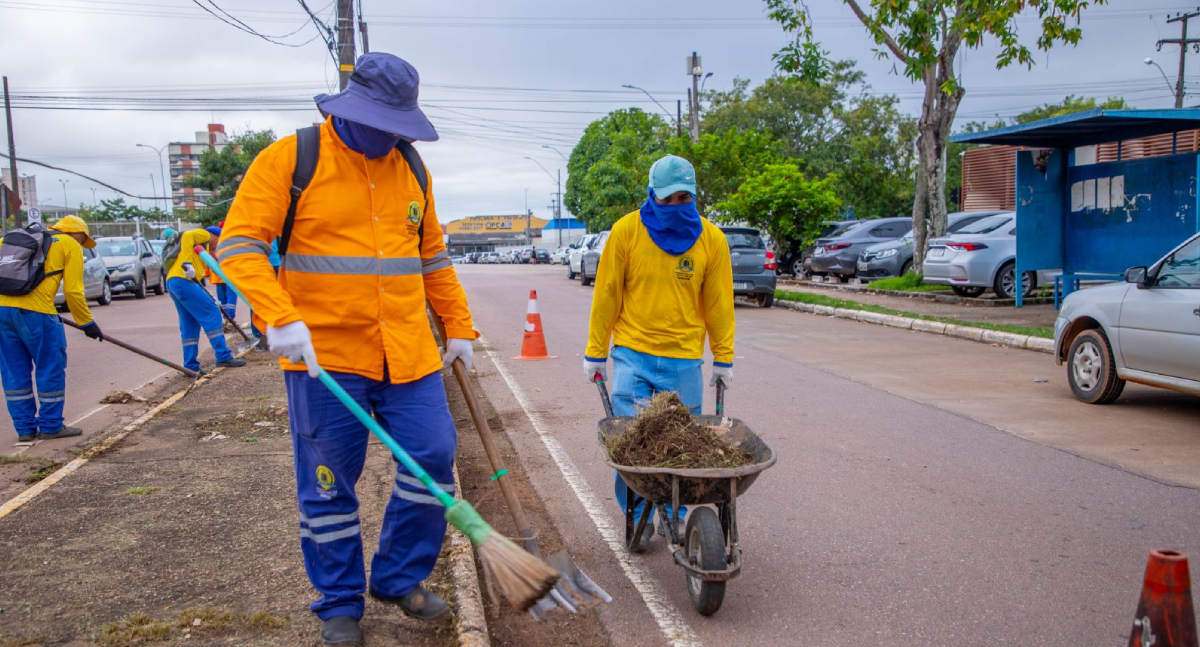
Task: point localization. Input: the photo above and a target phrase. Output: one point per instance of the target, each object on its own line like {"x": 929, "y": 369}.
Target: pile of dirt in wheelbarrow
{"x": 665, "y": 435}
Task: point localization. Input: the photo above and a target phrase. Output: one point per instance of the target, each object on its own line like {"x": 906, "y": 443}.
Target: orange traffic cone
{"x": 1164, "y": 614}
{"x": 534, "y": 345}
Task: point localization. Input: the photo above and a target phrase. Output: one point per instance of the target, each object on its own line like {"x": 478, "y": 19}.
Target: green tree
{"x": 608, "y": 169}
{"x": 779, "y": 200}
{"x": 924, "y": 38}
{"x": 723, "y": 161}
{"x": 1070, "y": 105}
{"x": 221, "y": 172}
{"x": 116, "y": 209}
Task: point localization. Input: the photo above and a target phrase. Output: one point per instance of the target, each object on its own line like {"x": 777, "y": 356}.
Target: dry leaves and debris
{"x": 665, "y": 435}
{"x": 121, "y": 397}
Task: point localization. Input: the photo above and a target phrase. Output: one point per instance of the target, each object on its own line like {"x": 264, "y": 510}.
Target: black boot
{"x": 341, "y": 630}
{"x": 419, "y": 603}
{"x": 65, "y": 432}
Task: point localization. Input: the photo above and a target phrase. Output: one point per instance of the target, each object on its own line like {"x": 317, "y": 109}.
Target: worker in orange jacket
{"x": 364, "y": 254}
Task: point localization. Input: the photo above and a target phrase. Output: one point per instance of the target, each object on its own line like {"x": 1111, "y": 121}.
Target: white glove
{"x": 189, "y": 271}
{"x": 725, "y": 373}
{"x": 294, "y": 342}
{"x": 459, "y": 349}
{"x": 591, "y": 368}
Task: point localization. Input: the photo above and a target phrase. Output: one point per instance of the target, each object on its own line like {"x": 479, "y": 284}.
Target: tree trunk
{"x": 929, "y": 203}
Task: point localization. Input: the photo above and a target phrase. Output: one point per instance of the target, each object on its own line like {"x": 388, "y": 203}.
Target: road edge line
{"x": 969, "y": 333}
{"x": 670, "y": 622}
{"x": 470, "y": 620}
{"x": 28, "y": 495}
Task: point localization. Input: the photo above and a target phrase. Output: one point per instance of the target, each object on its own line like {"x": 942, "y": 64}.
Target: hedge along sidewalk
{"x": 1024, "y": 337}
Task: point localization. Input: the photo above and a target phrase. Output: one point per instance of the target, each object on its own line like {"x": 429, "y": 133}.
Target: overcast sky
{"x": 499, "y": 80}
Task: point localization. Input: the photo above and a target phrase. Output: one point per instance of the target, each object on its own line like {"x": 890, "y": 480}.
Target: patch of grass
{"x": 210, "y": 619}
{"x": 13, "y": 460}
{"x": 822, "y": 300}
{"x": 42, "y": 472}
{"x": 910, "y": 282}
{"x": 137, "y": 629}
{"x": 263, "y": 620}
{"x": 250, "y": 439}
{"x": 140, "y": 629}
{"x": 257, "y": 398}
{"x": 143, "y": 489}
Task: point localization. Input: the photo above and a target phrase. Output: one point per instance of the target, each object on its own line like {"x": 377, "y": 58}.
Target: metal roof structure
{"x": 1086, "y": 128}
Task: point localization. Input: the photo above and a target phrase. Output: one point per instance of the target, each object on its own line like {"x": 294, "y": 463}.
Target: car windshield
{"x": 745, "y": 239}
{"x": 843, "y": 229}
{"x": 986, "y": 225}
{"x": 116, "y": 247}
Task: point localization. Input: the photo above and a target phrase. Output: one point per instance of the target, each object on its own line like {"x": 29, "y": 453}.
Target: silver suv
{"x": 133, "y": 267}
{"x": 1146, "y": 329}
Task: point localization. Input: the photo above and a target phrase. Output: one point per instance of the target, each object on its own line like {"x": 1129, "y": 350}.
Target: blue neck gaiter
{"x": 371, "y": 142}
{"x": 673, "y": 227}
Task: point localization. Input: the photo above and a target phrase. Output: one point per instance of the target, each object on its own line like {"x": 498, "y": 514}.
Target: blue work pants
{"x": 330, "y": 448}
{"x": 197, "y": 311}
{"x": 228, "y": 299}
{"x": 33, "y": 346}
{"x": 636, "y": 378}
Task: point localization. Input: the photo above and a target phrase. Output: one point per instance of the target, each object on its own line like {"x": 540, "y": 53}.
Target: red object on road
{"x": 534, "y": 344}
{"x": 1165, "y": 617}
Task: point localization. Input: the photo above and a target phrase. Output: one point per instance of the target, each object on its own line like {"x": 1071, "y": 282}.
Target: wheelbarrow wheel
{"x": 706, "y": 551}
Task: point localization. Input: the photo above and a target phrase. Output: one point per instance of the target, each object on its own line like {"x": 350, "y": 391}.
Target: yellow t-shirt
{"x": 652, "y": 302}
{"x": 188, "y": 240}
{"x": 65, "y": 256}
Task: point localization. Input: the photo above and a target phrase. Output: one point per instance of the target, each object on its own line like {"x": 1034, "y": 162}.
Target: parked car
{"x": 133, "y": 267}
{"x": 839, "y": 255}
{"x": 95, "y": 281}
{"x": 894, "y": 258}
{"x": 576, "y": 256}
{"x": 979, "y": 257}
{"x": 797, "y": 260}
{"x": 490, "y": 258}
{"x": 753, "y": 265}
{"x": 1145, "y": 329}
{"x": 524, "y": 255}
{"x": 158, "y": 245}
{"x": 589, "y": 262}
{"x": 559, "y": 257}
{"x": 541, "y": 257}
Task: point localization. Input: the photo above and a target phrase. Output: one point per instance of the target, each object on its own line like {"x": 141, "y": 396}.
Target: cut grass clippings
{"x": 665, "y": 435}
{"x": 141, "y": 490}
{"x": 910, "y": 282}
{"x": 140, "y": 629}
{"x": 822, "y": 300}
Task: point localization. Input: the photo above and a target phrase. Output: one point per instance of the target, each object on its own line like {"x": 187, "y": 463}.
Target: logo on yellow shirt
{"x": 685, "y": 269}
{"x": 414, "y": 212}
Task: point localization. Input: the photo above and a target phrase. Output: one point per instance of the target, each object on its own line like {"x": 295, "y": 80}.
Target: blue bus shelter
{"x": 1093, "y": 219}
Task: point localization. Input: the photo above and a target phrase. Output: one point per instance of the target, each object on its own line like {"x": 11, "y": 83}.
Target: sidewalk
{"x": 187, "y": 529}
{"x": 1032, "y": 316}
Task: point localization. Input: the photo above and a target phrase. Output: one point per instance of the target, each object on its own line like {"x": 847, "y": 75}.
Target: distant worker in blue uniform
{"x": 194, "y": 305}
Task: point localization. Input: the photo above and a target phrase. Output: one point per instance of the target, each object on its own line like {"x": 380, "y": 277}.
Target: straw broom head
{"x": 523, "y": 579}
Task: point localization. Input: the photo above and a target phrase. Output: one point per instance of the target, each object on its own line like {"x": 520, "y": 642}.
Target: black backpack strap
{"x": 413, "y": 158}
{"x": 308, "y": 152}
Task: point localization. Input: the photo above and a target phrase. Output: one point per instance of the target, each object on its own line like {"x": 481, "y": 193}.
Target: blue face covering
{"x": 371, "y": 142}
{"x": 673, "y": 227}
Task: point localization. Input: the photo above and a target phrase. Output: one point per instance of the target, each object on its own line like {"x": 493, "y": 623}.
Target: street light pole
{"x": 162, "y": 176}
{"x": 1150, "y": 61}
{"x": 64, "y": 186}
{"x": 634, "y": 87}
{"x": 93, "y": 198}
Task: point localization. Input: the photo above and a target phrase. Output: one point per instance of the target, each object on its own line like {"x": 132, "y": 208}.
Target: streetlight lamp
{"x": 558, "y": 182}
{"x": 1150, "y": 61}
{"x": 668, "y": 113}
{"x": 702, "y": 84}
{"x": 161, "y": 176}
{"x": 560, "y": 153}
{"x": 64, "y": 186}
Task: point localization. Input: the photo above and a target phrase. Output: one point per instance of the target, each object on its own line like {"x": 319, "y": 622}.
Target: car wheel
{"x": 1005, "y": 285}
{"x": 583, "y": 277}
{"x": 1091, "y": 370}
{"x": 906, "y": 268}
{"x": 797, "y": 266}
{"x": 843, "y": 278}
{"x": 162, "y": 284}
{"x": 139, "y": 290}
{"x": 967, "y": 291}
{"x": 570, "y": 273}
{"x": 105, "y": 294}
{"x": 766, "y": 300}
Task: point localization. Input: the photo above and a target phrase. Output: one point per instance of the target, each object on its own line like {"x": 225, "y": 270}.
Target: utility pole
{"x": 1184, "y": 42}
{"x": 558, "y": 209}
{"x": 679, "y": 117}
{"x": 12, "y": 156}
{"x": 694, "y": 69}
{"x": 362, "y": 29}
{"x": 345, "y": 41}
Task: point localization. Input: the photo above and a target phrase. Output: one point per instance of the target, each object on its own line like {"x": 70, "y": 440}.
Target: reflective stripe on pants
{"x": 33, "y": 346}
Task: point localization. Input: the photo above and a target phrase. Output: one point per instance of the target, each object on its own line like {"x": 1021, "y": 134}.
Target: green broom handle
{"x": 363, "y": 417}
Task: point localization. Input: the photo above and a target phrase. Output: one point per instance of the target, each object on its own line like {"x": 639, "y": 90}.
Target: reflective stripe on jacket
{"x": 353, "y": 272}
{"x": 65, "y": 256}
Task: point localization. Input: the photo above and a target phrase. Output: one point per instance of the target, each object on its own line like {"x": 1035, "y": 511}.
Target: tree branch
{"x": 887, "y": 39}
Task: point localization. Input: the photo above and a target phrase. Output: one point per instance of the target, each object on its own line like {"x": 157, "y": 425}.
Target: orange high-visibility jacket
{"x": 353, "y": 271}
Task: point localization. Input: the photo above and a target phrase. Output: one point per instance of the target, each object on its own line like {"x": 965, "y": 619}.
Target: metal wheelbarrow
{"x": 707, "y": 548}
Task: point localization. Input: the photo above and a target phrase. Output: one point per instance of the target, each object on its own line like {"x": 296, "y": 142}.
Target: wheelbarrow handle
{"x": 720, "y": 397}
{"x": 608, "y": 411}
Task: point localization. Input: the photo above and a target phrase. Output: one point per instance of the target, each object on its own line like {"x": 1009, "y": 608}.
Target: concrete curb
{"x": 982, "y": 335}
{"x": 470, "y": 621}
{"x": 933, "y": 297}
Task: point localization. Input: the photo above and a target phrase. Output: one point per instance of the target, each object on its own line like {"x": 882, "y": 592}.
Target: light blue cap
{"x": 672, "y": 174}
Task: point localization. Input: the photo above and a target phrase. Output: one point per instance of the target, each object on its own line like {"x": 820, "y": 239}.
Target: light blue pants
{"x": 228, "y": 299}
{"x": 33, "y": 346}
{"x": 330, "y": 446}
{"x": 197, "y": 310}
{"x": 637, "y": 377}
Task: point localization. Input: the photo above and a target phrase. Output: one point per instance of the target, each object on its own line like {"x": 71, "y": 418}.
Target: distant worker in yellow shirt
{"x": 665, "y": 280}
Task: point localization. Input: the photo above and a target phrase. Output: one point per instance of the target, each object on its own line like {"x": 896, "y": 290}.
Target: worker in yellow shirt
{"x": 194, "y": 305}
{"x": 361, "y": 253}
{"x": 665, "y": 280}
{"x": 33, "y": 262}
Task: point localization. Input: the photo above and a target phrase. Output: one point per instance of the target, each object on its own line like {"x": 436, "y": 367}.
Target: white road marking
{"x": 676, "y": 630}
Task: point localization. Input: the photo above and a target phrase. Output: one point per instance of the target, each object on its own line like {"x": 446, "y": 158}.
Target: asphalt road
{"x": 96, "y": 369}
{"x": 928, "y": 491}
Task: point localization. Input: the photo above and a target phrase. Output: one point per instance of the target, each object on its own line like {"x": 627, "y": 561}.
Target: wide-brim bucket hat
{"x": 382, "y": 93}
{"x": 75, "y": 225}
